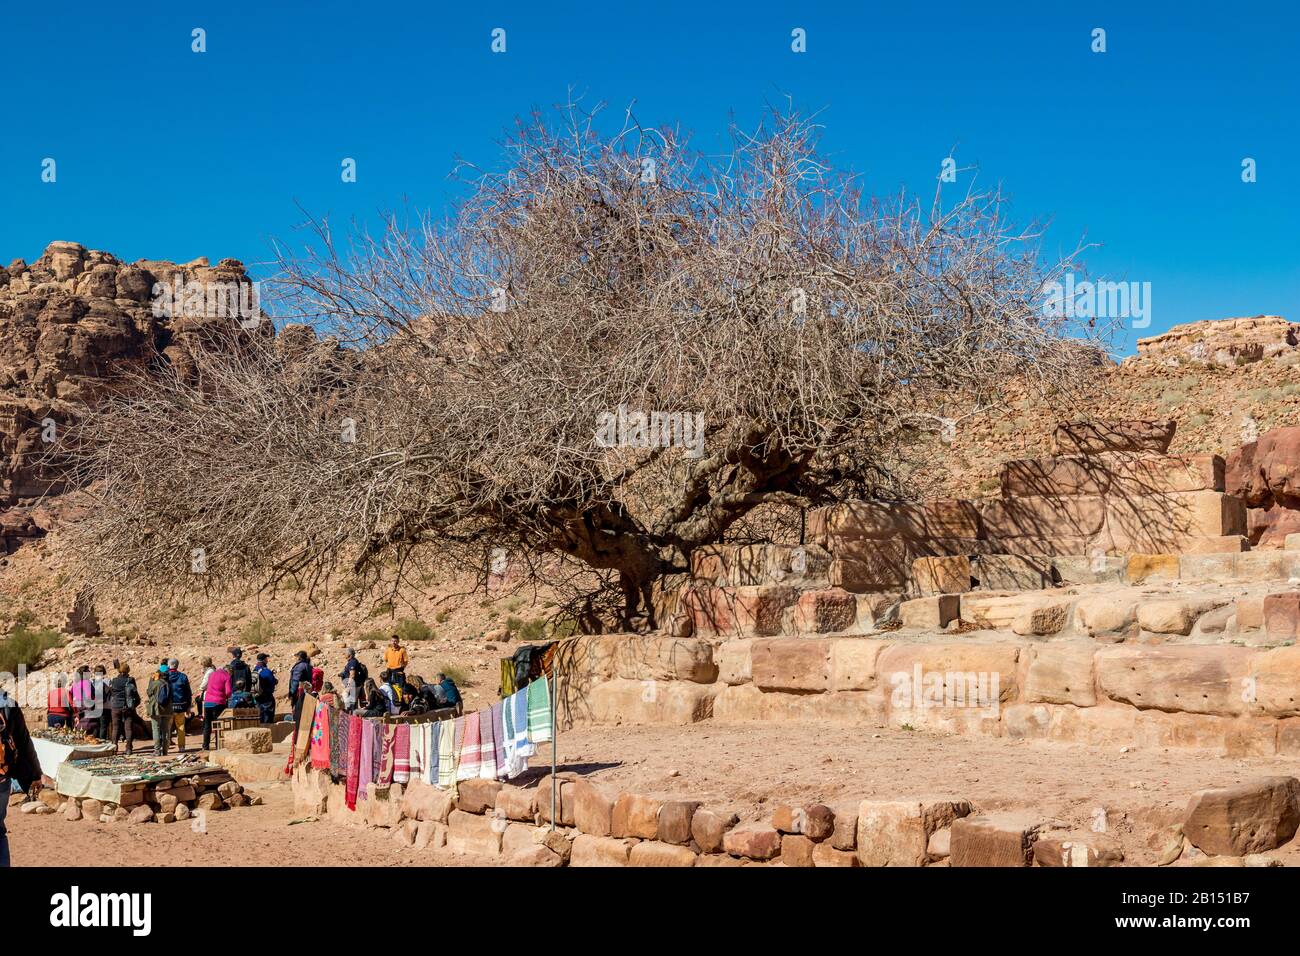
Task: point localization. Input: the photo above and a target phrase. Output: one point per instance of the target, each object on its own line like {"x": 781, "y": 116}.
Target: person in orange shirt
{"x": 395, "y": 660}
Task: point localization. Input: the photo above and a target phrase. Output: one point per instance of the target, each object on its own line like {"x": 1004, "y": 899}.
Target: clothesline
{"x": 493, "y": 743}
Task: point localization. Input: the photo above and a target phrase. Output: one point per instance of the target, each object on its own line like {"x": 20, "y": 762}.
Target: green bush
{"x": 257, "y": 631}
{"x": 411, "y": 629}
{"x": 24, "y": 647}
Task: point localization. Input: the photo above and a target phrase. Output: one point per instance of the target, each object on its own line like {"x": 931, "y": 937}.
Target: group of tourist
{"x": 395, "y": 692}
{"x": 106, "y": 708}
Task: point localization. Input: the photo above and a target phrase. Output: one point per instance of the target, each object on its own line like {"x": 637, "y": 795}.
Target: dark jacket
{"x": 300, "y": 676}
{"x": 266, "y": 681}
{"x": 122, "y": 693}
{"x": 18, "y": 759}
{"x": 160, "y": 698}
{"x": 448, "y": 692}
{"x": 240, "y": 671}
{"x": 182, "y": 696}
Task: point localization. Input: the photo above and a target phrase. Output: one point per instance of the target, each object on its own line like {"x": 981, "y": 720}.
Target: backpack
{"x": 255, "y": 684}
{"x": 239, "y": 670}
{"x": 164, "y": 693}
{"x": 360, "y": 675}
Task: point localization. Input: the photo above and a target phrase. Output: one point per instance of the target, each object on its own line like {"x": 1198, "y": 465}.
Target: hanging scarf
{"x": 539, "y": 710}
{"x": 471, "y": 748}
{"x": 320, "y": 738}
{"x": 487, "y": 745}
{"x": 338, "y": 743}
{"x": 447, "y": 752}
{"x": 419, "y": 750}
{"x": 499, "y": 738}
{"x": 354, "y": 760}
{"x": 432, "y": 749}
{"x": 367, "y": 752}
{"x": 388, "y": 754}
{"x": 402, "y": 754}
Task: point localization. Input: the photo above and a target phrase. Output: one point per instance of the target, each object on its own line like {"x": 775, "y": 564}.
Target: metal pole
{"x": 555, "y": 739}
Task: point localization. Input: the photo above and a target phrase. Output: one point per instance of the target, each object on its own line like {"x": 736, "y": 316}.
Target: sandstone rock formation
{"x": 70, "y": 322}
{"x": 1265, "y": 474}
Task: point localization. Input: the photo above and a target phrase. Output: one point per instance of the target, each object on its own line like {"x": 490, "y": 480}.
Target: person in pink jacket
{"x": 215, "y": 698}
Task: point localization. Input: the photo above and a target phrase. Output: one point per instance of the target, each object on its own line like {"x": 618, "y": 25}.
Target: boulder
{"x": 591, "y": 850}
{"x": 1173, "y": 615}
{"x": 942, "y": 575}
{"x": 252, "y": 740}
{"x": 593, "y": 808}
{"x": 827, "y": 611}
{"x": 1012, "y": 572}
{"x": 1195, "y": 679}
{"x": 634, "y": 815}
{"x": 753, "y": 841}
{"x": 1062, "y": 674}
{"x": 993, "y": 840}
{"x": 1246, "y": 818}
{"x": 1074, "y": 849}
{"x": 675, "y": 819}
{"x": 931, "y": 613}
{"x": 1106, "y": 616}
{"x": 897, "y": 832}
{"x": 473, "y": 833}
{"x": 791, "y": 664}
{"x": 656, "y": 854}
{"x": 477, "y": 796}
{"x": 709, "y": 827}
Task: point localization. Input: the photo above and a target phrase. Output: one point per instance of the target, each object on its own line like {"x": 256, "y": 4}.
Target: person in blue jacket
{"x": 265, "y": 696}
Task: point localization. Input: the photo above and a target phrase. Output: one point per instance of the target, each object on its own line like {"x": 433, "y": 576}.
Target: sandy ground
{"x": 746, "y": 767}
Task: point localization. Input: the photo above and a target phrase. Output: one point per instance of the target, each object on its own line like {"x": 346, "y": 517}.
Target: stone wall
{"x": 596, "y": 825}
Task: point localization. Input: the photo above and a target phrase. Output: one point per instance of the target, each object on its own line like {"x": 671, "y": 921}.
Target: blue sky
{"x": 165, "y": 153}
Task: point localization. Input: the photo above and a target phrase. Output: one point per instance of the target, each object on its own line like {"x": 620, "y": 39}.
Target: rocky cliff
{"x": 70, "y": 322}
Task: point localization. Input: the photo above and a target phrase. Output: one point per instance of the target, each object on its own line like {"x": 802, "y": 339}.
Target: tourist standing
{"x": 215, "y": 697}
{"x": 158, "y": 709}
{"x": 99, "y": 710}
{"x": 354, "y": 676}
{"x": 18, "y": 763}
{"x": 395, "y": 660}
{"x": 299, "y": 683}
{"x": 58, "y": 704}
{"x": 123, "y": 699}
{"x": 265, "y": 684}
{"x": 182, "y": 699}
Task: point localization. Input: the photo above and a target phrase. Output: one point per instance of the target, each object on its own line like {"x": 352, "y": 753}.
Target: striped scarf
{"x": 402, "y": 754}
{"x": 471, "y": 748}
{"x": 388, "y": 755}
{"x": 447, "y": 752}
{"x": 499, "y": 736}
{"x": 539, "y": 710}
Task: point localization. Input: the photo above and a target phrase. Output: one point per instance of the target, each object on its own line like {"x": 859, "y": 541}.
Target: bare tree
{"x": 495, "y": 368}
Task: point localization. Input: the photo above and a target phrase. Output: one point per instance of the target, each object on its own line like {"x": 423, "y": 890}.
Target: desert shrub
{"x": 441, "y": 617}
{"x": 381, "y": 609}
{"x": 24, "y": 647}
{"x": 412, "y": 629}
{"x": 533, "y": 630}
{"x": 258, "y": 631}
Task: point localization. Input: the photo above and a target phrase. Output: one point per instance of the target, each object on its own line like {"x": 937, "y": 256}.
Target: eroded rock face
{"x": 1265, "y": 474}
{"x": 1246, "y": 818}
{"x": 1225, "y": 342}
{"x": 69, "y": 323}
